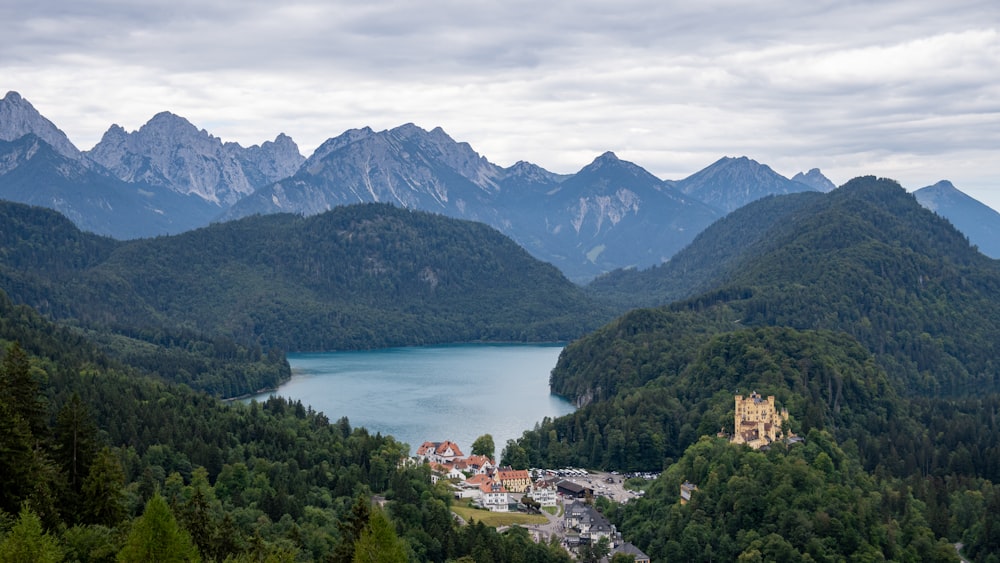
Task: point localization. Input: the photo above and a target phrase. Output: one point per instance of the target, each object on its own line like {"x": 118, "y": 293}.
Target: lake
{"x": 432, "y": 393}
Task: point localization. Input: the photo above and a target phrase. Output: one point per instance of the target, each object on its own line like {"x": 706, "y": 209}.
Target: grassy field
{"x": 495, "y": 519}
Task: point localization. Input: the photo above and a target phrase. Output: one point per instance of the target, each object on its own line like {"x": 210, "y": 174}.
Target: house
{"x": 514, "y": 480}
{"x": 494, "y": 497}
{"x": 543, "y": 493}
{"x": 479, "y": 464}
{"x": 632, "y": 550}
{"x": 686, "y": 489}
{"x": 589, "y": 524}
{"x": 471, "y": 487}
{"x": 439, "y": 452}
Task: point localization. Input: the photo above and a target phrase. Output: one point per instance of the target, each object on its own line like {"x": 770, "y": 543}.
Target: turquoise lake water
{"x": 434, "y": 393}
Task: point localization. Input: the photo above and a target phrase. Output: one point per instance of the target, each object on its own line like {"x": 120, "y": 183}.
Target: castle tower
{"x": 756, "y": 422}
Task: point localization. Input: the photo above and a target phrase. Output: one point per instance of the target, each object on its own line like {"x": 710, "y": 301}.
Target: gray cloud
{"x": 905, "y": 89}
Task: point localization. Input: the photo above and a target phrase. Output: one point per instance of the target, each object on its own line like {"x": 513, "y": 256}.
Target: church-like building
{"x": 757, "y": 422}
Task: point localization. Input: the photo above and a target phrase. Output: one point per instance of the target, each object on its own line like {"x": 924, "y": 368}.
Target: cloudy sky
{"x": 904, "y": 89}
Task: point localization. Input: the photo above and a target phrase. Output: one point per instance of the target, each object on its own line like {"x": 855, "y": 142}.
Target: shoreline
{"x": 260, "y": 391}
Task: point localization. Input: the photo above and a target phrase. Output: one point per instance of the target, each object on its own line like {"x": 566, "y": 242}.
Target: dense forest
{"x": 100, "y": 463}
{"x": 871, "y": 319}
{"x": 216, "y": 308}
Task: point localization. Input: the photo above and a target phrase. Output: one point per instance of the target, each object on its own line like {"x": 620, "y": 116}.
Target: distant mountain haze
{"x": 33, "y": 172}
{"x": 169, "y": 177}
{"x": 977, "y": 221}
{"x": 731, "y": 183}
{"x": 815, "y": 179}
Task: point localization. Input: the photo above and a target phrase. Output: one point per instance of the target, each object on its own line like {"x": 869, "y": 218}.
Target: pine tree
{"x": 351, "y": 529}
{"x": 76, "y": 440}
{"x": 157, "y": 537}
{"x": 22, "y": 391}
{"x": 22, "y": 423}
{"x": 16, "y": 458}
{"x": 28, "y": 542}
{"x": 102, "y": 488}
{"x": 378, "y": 542}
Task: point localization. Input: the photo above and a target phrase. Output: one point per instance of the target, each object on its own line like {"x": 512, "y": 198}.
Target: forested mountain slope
{"x": 362, "y": 276}
{"x": 865, "y": 259}
{"x": 708, "y": 262}
{"x": 871, "y": 319}
{"x": 98, "y": 462}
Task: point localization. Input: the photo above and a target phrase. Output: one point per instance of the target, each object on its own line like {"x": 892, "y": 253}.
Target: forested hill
{"x": 865, "y": 259}
{"x": 872, "y": 320}
{"x": 362, "y": 276}
{"x": 723, "y": 250}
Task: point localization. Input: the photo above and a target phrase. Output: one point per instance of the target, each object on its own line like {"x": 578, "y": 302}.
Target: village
{"x": 565, "y": 496}
{"x": 476, "y": 479}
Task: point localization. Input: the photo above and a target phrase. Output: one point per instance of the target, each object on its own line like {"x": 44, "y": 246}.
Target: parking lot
{"x": 610, "y": 485}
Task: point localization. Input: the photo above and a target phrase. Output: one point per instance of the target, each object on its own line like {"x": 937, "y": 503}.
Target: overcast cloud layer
{"x": 905, "y": 89}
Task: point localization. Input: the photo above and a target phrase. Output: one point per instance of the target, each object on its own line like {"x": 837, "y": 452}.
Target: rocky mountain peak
{"x": 269, "y": 162}
{"x": 944, "y": 185}
{"x": 169, "y": 151}
{"x": 618, "y": 172}
{"x": 815, "y": 179}
{"x": 115, "y": 132}
{"x": 529, "y": 173}
{"x": 731, "y": 183}
{"x": 439, "y": 146}
{"x": 334, "y": 144}
{"x": 18, "y": 118}
{"x": 166, "y": 128}
{"x": 941, "y": 195}
{"x": 607, "y": 157}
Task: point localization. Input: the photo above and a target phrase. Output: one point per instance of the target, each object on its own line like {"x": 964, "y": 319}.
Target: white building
{"x": 543, "y": 493}
{"x": 494, "y": 497}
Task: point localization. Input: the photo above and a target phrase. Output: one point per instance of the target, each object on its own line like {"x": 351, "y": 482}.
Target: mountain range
{"x": 169, "y": 177}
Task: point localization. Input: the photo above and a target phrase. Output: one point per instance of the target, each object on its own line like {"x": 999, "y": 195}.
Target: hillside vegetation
{"x": 865, "y": 260}
{"x": 871, "y": 319}
{"x": 98, "y": 461}
{"x": 234, "y": 296}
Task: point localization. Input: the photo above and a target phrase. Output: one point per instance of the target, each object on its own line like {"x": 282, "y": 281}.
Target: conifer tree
{"x": 76, "y": 439}
{"x": 16, "y": 458}
{"x": 157, "y": 537}
{"x": 22, "y": 390}
{"x": 351, "y": 529}
{"x": 28, "y": 542}
{"x": 378, "y": 542}
{"x": 102, "y": 488}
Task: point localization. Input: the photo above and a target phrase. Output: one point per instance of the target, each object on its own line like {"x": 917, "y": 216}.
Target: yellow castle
{"x": 758, "y": 423}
